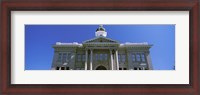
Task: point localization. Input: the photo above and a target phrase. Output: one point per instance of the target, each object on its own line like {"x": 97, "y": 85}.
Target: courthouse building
{"x": 101, "y": 53}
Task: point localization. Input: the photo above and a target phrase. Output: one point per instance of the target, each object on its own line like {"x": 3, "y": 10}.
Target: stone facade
{"x": 101, "y": 53}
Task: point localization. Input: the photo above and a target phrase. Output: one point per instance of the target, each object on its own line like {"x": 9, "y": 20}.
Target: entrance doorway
{"x": 101, "y": 68}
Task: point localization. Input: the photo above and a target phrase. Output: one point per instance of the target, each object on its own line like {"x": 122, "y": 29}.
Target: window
{"x": 69, "y": 56}
{"x": 83, "y": 57}
{"x": 101, "y": 57}
{"x": 57, "y": 68}
{"x": 125, "y": 69}
{"x": 123, "y": 58}
{"x": 106, "y": 56}
{"x": 138, "y": 57}
{"x": 67, "y": 68}
{"x": 120, "y": 68}
{"x": 133, "y": 57}
{"x": 62, "y": 68}
{"x": 59, "y": 57}
{"x": 135, "y": 68}
{"x": 64, "y": 57}
{"x": 96, "y": 57}
{"x": 79, "y": 57}
{"x": 119, "y": 57}
{"x": 143, "y": 57}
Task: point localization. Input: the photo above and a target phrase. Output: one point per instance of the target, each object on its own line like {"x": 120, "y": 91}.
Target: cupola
{"x": 101, "y": 32}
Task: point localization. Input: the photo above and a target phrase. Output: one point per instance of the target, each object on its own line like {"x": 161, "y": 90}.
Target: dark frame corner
{"x": 99, "y": 5}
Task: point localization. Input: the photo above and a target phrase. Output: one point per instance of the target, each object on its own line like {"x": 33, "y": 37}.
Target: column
{"x": 86, "y": 56}
{"x": 117, "y": 62}
{"x": 54, "y": 63}
{"x": 91, "y": 54}
{"x": 111, "y": 59}
{"x": 149, "y": 60}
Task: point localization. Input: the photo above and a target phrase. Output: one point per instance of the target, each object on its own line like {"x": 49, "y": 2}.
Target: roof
{"x": 100, "y": 39}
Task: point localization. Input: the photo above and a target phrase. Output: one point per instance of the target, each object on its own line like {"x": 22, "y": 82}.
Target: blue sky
{"x": 39, "y": 40}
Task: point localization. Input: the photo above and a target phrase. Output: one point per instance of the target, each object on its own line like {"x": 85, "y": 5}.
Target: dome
{"x": 101, "y": 32}
{"x": 100, "y": 28}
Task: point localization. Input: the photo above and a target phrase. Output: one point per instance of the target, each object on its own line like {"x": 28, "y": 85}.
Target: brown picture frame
{"x": 99, "y": 5}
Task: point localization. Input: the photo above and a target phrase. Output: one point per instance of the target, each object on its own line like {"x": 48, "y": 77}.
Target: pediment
{"x": 100, "y": 40}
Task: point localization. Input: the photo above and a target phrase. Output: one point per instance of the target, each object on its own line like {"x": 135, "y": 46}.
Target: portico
{"x": 111, "y": 59}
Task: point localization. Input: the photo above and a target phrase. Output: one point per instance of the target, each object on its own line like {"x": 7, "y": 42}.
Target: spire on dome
{"x": 100, "y": 28}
